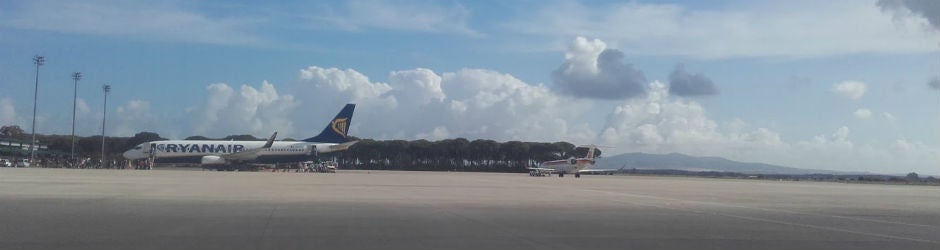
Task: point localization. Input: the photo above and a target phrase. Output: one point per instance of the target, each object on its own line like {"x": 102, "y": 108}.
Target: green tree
{"x": 138, "y": 139}
{"x": 912, "y": 177}
{"x": 242, "y": 138}
{"x": 13, "y": 131}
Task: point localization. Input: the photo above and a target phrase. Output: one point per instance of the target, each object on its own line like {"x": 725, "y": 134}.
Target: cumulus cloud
{"x": 471, "y": 103}
{"x": 419, "y": 85}
{"x": 836, "y": 145}
{"x": 496, "y": 105}
{"x": 347, "y": 85}
{"x": 851, "y": 89}
{"x": 682, "y": 83}
{"x": 862, "y": 113}
{"x": 226, "y": 111}
{"x": 133, "y": 117}
{"x": 928, "y": 9}
{"x": 81, "y": 107}
{"x": 7, "y": 112}
{"x": 660, "y": 124}
{"x": 592, "y": 70}
{"x": 87, "y": 119}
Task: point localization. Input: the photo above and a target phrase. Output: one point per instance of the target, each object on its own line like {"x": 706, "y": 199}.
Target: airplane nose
{"x": 131, "y": 154}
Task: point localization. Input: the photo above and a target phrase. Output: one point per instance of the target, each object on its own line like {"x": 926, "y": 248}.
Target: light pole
{"x": 39, "y": 61}
{"x": 107, "y": 89}
{"x": 75, "y": 76}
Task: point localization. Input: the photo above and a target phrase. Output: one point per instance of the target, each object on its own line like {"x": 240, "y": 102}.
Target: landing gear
{"x": 577, "y": 175}
{"x": 561, "y": 175}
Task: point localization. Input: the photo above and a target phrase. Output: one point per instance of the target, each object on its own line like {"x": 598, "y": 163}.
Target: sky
{"x": 836, "y": 85}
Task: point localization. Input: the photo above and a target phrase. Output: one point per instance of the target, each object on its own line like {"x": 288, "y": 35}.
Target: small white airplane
{"x": 571, "y": 165}
{"x": 231, "y": 155}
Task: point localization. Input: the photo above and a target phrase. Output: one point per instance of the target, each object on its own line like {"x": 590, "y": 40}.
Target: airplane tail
{"x": 590, "y": 152}
{"x": 335, "y": 132}
{"x": 592, "y": 149}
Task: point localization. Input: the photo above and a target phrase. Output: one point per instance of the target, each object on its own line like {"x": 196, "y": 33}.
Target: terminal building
{"x": 14, "y": 148}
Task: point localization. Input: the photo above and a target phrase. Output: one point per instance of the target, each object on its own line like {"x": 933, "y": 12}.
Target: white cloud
{"x": 850, "y": 89}
{"x": 594, "y": 71}
{"x": 862, "y": 113}
{"x": 87, "y": 121}
{"x": 439, "y": 133}
{"x": 661, "y": 124}
{"x": 81, "y": 107}
{"x": 489, "y": 104}
{"x": 419, "y": 103}
{"x": 133, "y": 117}
{"x": 7, "y": 112}
{"x": 350, "y": 86}
{"x": 419, "y": 85}
{"x": 258, "y": 111}
{"x": 139, "y": 19}
{"x": 783, "y": 28}
{"x": 401, "y": 16}
{"x": 902, "y": 145}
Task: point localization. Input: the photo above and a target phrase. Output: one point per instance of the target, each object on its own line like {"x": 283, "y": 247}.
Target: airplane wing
{"x": 342, "y": 146}
{"x": 597, "y": 170}
{"x": 546, "y": 170}
{"x": 250, "y": 154}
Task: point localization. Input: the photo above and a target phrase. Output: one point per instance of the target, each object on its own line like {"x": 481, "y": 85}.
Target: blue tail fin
{"x": 335, "y": 132}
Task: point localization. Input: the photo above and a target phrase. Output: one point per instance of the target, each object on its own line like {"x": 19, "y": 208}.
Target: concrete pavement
{"x": 168, "y": 209}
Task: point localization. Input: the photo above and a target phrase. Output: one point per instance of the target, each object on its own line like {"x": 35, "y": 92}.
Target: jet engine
{"x": 212, "y": 159}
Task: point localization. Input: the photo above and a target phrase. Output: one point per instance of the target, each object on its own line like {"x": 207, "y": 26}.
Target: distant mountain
{"x": 692, "y": 163}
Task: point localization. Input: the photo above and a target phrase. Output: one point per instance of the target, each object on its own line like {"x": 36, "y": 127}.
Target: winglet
{"x": 270, "y": 140}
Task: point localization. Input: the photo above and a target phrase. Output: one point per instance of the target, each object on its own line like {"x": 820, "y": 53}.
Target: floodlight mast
{"x": 107, "y": 89}
{"x": 39, "y": 61}
{"x": 75, "y": 76}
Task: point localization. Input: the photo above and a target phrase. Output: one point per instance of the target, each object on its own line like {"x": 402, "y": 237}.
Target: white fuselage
{"x": 184, "y": 148}
{"x": 569, "y": 166}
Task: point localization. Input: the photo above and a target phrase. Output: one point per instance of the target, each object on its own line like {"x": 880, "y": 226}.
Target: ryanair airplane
{"x": 235, "y": 154}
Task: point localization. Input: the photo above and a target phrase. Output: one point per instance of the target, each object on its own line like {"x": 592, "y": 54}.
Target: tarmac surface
{"x": 172, "y": 209}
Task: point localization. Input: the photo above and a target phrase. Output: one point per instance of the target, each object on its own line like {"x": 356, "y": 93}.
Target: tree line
{"x": 458, "y": 154}
{"x": 85, "y": 147}
{"x": 453, "y": 155}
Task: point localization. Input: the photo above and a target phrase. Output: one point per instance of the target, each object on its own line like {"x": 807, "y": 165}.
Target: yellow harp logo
{"x": 339, "y": 125}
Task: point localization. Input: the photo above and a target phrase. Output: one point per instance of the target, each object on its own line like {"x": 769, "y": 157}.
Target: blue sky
{"x": 525, "y": 70}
